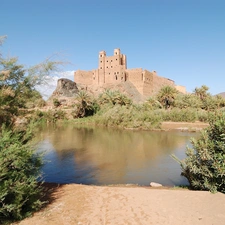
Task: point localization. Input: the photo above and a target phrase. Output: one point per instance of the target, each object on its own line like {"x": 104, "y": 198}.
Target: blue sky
{"x": 183, "y": 40}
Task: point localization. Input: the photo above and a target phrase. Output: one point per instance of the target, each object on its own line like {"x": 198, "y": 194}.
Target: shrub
{"x": 184, "y": 101}
{"x": 19, "y": 171}
{"x": 50, "y": 116}
{"x": 40, "y": 103}
{"x": 127, "y": 116}
{"x": 56, "y": 102}
{"x": 179, "y": 115}
{"x": 204, "y": 166}
{"x": 151, "y": 104}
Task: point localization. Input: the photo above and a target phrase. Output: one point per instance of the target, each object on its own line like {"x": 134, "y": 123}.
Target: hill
{"x": 222, "y": 94}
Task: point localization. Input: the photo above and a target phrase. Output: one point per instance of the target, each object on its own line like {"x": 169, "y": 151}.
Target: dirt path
{"x": 87, "y": 205}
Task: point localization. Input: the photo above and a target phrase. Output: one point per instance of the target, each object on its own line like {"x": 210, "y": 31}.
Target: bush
{"x": 56, "y": 102}
{"x": 204, "y": 166}
{"x": 127, "y": 117}
{"x": 180, "y": 115}
{"x": 50, "y": 116}
{"x": 19, "y": 171}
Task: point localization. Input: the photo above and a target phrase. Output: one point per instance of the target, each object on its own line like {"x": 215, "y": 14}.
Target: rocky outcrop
{"x": 65, "y": 88}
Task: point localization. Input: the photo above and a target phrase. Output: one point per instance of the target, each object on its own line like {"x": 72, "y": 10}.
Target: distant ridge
{"x": 222, "y": 94}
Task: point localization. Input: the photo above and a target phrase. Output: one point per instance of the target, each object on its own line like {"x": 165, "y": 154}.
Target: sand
{"x": 114, "y": 205}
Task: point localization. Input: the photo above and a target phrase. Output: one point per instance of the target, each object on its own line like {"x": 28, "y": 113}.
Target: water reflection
{"x": 108, "y": 156}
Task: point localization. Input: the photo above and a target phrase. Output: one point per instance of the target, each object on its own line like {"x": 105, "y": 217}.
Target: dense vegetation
{"x": 204, "y": 166}
{"x": 20, "y": 191}
{"x": 112, "y": 108}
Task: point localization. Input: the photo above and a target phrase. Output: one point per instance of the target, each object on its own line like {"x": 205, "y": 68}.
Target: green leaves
{"x": 166, "y": 96}
{"x": 204, "y": 166}
{"x": 19, "y": 171}
{"x": 114, "y": 98}
{"x": 85, "y": 105}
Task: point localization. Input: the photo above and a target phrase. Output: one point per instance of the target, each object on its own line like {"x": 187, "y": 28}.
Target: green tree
{"x": 152, "y": 103}
{"x": 19, "y": 166}
{"x": 184, "y": 101}
{"x": 19, "y": 170}
{"x": 220, "y": 101}
{"x": 202, "y": 92}
{"x": 17, "y": 84}
{"x": 85, "y": 105}
{"x": 113, "y": 98}
{"x": 167, "y": 95}
{"x": 204, "y": 166}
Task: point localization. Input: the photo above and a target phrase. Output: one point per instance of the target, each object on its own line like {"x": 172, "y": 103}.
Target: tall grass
{"x": 127, "y": 117}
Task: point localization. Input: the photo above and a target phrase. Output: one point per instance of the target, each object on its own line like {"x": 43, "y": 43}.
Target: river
{"x": 104, "y": 156}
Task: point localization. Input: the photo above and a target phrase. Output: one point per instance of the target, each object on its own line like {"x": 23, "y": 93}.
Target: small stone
{"x": 153, "y": 184}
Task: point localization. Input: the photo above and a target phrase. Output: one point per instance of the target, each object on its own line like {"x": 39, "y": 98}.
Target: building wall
{"x": 148, "y": 87}
{"x": 181, "y": 89}
{"x": 83, "y": 77}
{"x": 135, "y": 76}
{"x": 113, "y": 70}
{"x": 159, "y": 82}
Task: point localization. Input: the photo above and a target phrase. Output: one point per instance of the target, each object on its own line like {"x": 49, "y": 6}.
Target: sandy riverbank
{"x": 81, "y": 204}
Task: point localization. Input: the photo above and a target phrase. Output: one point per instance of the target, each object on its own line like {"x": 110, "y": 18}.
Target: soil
{"x": 130, "y": 205}
{"x": 114, "y": 205}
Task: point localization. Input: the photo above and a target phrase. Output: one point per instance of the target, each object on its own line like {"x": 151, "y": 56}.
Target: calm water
{"x": 104, "y": 156}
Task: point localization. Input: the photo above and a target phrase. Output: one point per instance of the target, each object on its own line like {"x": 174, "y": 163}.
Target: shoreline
{"x": 183, "y": 126}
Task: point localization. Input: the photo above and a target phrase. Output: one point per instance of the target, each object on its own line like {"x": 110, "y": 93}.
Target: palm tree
{"x": 220, "y": 101}
{"x": 84, "y": 105}
{"x": 153, "y": 103}
{"x": 106, "y": 97}
{"x": 201, "y": 92}
{"x": 183, "y": 101}
{"x": 166, "y": 96}
{"x": 114, "y": 97}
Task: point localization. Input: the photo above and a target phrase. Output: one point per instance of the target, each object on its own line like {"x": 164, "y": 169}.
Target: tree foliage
{"x": 16, "y": 90}
{"x": 202, "y": 92}
{"x": 204, "y": 166}
{"x": 17, "y": 84}
{"x": 19, "y": 170}
{"x": 184, "y": 101}
{"x": 85, "y": 105}
{"x": 167, "y": 95}
{"x": 19, "y": 165}
{"x": 113, "y": 98}
{"x": 152, "y": 104}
